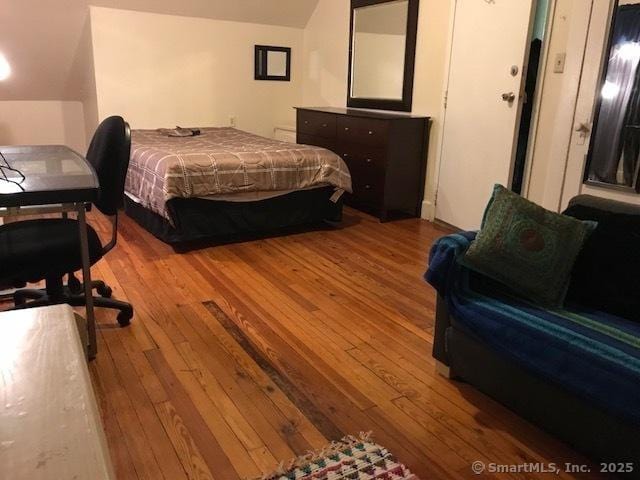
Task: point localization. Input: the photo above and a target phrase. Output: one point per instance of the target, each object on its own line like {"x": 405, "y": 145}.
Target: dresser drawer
{"x": 367, "y": 168}
{"x": 368, "y": 190}
{"x": 385, "y": 153}
{"x": 328, "y": 143}
{"x": 363, "y": 131}
{"x": 318, "y": 124}
{"x": 360, "y": 159}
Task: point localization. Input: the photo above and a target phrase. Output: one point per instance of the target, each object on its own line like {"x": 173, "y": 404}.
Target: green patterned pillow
{"x": 526, "y": 247}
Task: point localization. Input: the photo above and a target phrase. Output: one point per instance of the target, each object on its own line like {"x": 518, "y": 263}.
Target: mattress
{"x": 225, "y": 163}
{"x": 241, "y": 196}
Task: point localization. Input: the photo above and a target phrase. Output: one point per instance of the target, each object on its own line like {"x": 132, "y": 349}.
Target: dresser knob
{"x": 345, "y": 155}
{"x": 306, "y": 122}
{"x": 367, "y": 187}
{"x": 324, "y": 125}
{"x": 370, "y": 132}
{"x": 346, "y": 129}
{"x": 368, "y": 160}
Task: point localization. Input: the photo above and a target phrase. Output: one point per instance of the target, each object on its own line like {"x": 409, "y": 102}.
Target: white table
{"x": 50, "y": 427}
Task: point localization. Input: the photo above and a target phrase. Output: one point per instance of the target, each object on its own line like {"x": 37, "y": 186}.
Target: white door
{"x": 490, "y": 42}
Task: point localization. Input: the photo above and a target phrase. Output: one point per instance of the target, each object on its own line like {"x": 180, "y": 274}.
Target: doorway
{"x": 533, "y": 76}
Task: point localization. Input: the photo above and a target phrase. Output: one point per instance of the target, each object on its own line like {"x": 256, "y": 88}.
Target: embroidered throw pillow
{"x": 528, "y": 248}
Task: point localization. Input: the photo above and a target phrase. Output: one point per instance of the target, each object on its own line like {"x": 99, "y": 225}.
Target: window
{"x": 614, "y": 153}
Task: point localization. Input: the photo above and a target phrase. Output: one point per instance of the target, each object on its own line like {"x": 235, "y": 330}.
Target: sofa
{"x": 573, "y": 371}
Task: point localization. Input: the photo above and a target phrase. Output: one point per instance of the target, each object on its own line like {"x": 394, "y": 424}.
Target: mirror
{"x": 272, "y": 63}
{"x": 382, "y": 53}
{"x": 277, "y": 64}
{"x": 614, "y": 150}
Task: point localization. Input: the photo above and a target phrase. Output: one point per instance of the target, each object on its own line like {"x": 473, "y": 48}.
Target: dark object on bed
{"x": 199, "y": 220}
{"x": 572, "y": 372}
{"x": 180, "y": 132}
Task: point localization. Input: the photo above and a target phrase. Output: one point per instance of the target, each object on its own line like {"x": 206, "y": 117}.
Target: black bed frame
{"x": 198, "y": 221}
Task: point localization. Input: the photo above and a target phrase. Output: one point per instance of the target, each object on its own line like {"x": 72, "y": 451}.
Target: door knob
{"x": 509, "y": 97}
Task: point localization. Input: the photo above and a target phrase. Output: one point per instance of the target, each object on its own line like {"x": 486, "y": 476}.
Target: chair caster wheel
{"x": 75, "y": 285}
{"x": 124, "y": 317}
{"x": 105, "y": 292}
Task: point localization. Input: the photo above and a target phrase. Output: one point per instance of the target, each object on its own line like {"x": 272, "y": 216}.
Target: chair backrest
{"x": 109, "y": 154}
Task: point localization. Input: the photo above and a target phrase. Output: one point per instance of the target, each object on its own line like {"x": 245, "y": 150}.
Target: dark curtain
{"x": 619, "y": 101}
{"x": 631, "y": 135}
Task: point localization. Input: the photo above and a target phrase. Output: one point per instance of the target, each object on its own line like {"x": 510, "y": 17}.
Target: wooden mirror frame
{"x": 406, "y": 103}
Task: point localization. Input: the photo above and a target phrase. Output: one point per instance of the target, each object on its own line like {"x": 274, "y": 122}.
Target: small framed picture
{"x": 273, "y": 63}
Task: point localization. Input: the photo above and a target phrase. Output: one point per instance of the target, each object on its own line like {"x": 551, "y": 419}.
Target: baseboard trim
{"x": 428, "y": 211}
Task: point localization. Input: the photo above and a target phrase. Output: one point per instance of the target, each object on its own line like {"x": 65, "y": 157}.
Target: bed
{"x": 225, "y": 184}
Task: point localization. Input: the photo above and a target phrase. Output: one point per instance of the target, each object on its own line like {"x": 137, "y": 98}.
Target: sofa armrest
{"x": 443, "y": 322}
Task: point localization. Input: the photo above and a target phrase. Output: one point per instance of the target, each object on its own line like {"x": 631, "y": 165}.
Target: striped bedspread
{"x": 224, "y": 161}
{"x": 592, "y": 354}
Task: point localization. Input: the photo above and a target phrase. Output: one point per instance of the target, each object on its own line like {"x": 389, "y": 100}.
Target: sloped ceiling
{"x": 44, "y": 41}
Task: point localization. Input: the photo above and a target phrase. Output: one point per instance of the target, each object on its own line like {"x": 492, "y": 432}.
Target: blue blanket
{"x": 592, "y": 354}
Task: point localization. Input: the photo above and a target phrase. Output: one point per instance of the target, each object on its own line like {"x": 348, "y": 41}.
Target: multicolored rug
{"x": 350, "y": 459}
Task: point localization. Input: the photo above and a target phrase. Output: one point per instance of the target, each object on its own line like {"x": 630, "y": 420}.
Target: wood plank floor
{"x": 243, "y": 356}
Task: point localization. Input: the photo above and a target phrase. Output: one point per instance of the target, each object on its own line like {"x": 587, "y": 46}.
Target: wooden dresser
{"x": 385, "y": 152}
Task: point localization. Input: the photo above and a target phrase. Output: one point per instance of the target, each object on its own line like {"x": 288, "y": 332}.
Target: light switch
{"x": 559, "y": 61}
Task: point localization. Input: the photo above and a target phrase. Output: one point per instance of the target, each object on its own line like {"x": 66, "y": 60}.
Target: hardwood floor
{"x": 243, "y": 356}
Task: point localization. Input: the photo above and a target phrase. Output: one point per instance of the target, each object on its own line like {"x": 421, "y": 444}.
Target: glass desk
{"x": 40, "y": 179}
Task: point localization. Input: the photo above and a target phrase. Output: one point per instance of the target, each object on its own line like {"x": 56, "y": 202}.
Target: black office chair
{"x": 47, "y": 249}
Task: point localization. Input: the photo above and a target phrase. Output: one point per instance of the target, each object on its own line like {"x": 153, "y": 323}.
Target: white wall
{"x": 42, "y": 123}
{"x": 85, "y": 68}
{"x": 326, "y": 53}
{"x": 161, "y": 71}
